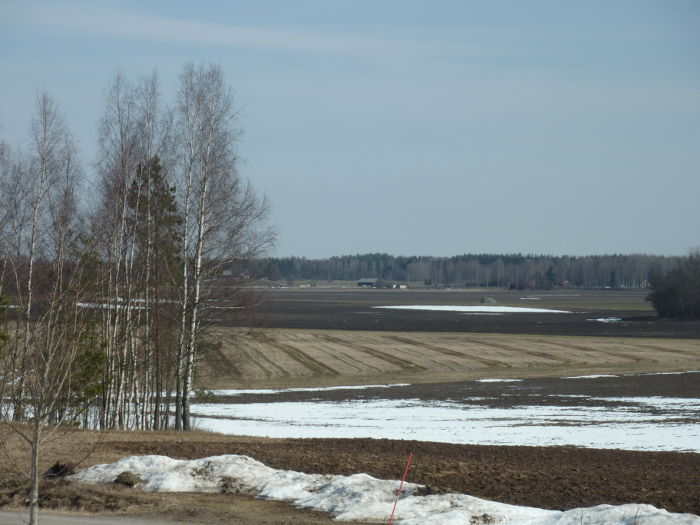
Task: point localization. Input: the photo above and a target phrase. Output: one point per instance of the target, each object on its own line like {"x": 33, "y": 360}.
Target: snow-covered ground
{"x": 358, "y": 497}
{"x": 655, "y": 423}
{"x": 535, "y": 418}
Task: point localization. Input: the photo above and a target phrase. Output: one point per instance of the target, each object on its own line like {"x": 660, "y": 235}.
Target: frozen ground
{"x": 358, "y": 497}
{"x": 568, "y": 411}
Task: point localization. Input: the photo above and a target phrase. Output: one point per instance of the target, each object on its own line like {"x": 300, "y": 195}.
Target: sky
{"x": 410, "y": 127}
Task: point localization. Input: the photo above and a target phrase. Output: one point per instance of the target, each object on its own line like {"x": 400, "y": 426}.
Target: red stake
{"x": 398, "y": 492}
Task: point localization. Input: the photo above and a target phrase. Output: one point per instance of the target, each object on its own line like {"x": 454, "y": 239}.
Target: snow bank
{"x": 482, "y": 309}
{"x": 357, "y": 497}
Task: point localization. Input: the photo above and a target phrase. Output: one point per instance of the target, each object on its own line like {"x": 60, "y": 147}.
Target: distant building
{"x": 368, "y": 282}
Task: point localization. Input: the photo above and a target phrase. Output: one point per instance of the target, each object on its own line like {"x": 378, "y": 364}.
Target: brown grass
{"x": 63, "y": 496}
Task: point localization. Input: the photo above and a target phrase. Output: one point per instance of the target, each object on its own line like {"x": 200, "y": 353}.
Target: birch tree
{"x": 50, "y": 334}
{"x": 138, "y": 221}
{"x": 116, "y": 166}
{"x": 51, "y": 153}
{"x": 221, "y": 213}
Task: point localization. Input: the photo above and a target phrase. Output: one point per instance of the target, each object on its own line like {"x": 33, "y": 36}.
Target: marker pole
{"x": 398, "y": 492}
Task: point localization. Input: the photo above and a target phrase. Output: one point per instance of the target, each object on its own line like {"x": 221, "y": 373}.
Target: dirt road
{"x": 22, "y": 518}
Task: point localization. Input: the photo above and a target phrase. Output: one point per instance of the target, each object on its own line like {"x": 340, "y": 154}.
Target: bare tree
{"x": 45, "y": 361}
{"x": 28, "y": 185}
{"x": 222, "y": 215}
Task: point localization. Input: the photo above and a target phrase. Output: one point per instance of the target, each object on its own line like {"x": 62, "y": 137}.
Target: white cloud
{"x": 91, "y": 19}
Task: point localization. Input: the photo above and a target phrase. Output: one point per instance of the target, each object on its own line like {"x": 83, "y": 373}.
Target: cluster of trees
{"x": 677, "y": 294}
{"x": 105, "y": 289}
{"x": 521, "y": 271}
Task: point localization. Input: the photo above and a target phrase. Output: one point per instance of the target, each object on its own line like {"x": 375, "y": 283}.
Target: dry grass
{"x": 288, "y": 358}
{"x": 86, "y": 448}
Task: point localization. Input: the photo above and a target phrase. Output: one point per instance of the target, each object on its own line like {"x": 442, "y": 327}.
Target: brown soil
{"x": 547, "y": 477}
{"x": 352, "y": 309}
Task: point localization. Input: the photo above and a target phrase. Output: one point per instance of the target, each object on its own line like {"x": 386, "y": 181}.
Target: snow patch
{"x": 498, "y": 380}
{"x": 300, "y": 389}
{"x": 670, "y": 373}
{"x": 593, "y": 376}
{"x": 485, "y": 309}
{"x": 359, "y": 496}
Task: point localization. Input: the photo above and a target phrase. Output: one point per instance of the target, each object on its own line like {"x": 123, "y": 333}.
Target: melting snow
{"x": 357, "y": 497}
{"x": 671, "y": 373}
{"x": 498, "y": 380}
{"x": 301, "y": 389}
{"x": 484, "y": 309}
{"x": 631, "y": 425}
{"x": 593, "y": 376}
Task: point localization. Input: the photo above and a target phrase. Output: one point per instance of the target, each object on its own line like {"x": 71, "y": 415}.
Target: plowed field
{"x": 287, "y": 357}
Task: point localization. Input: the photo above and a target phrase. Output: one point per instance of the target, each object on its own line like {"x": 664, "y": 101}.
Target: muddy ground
{"x": 543, "y": 391}
{"x": 352, "y": 309}
{"x": 546, "y": 477}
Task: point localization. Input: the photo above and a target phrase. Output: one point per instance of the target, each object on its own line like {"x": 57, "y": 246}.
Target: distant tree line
{"x": 473, "y": 270}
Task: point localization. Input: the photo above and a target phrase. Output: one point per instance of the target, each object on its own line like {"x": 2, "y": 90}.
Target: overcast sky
{"x": 412, "y": 127}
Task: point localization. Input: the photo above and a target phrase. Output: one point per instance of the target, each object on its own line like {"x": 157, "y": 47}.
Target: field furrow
{"x": 293, "y": 357}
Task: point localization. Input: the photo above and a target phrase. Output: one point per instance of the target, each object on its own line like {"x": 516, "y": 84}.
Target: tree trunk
{"x": 34, "y": 475}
